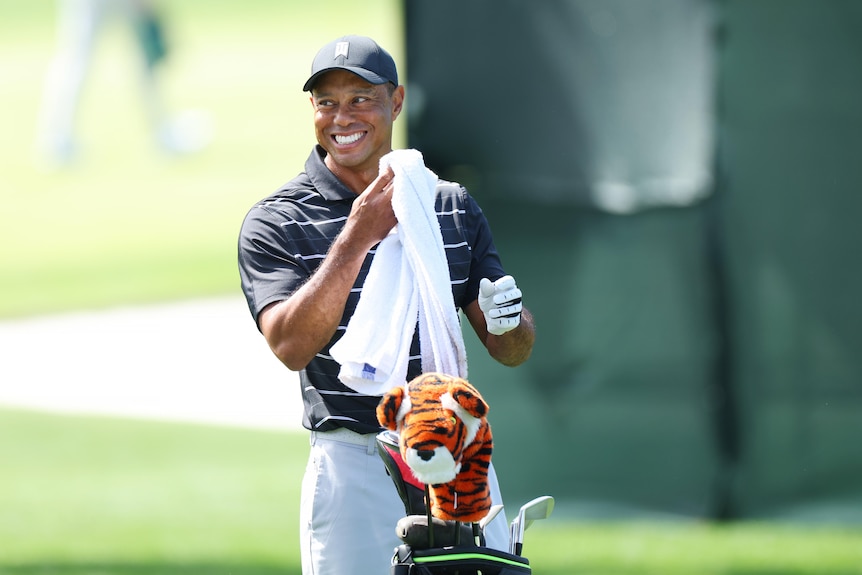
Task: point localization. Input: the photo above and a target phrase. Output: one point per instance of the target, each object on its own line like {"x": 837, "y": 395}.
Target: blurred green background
{"x": 674, "y": 184}
{"x": 697, "y": 341}
{"x": 127, "y": 223}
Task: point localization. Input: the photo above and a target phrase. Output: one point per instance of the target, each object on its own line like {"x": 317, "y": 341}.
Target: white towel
{"x": 408, "y": 282}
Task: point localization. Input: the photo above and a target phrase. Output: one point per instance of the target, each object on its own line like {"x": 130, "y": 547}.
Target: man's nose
{"x": 343, "y": 117}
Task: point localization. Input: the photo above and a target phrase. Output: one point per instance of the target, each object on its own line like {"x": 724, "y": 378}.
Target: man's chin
{"x": 351, "y": 162}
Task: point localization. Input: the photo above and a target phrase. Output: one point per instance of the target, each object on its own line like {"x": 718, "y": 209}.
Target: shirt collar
{"x": 322, "y": 178}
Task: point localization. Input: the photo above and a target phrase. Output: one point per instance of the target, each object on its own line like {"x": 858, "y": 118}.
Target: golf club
{"x": 538, "y": 508}
{"x": 513, "y": 533}
{"x": 492, "y": 513}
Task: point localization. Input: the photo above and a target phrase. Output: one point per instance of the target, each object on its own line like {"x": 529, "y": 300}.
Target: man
{"x": 304, "y": 253}
{"x": 79, "y": 24}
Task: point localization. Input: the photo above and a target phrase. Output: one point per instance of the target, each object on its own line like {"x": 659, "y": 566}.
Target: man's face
{"x": 353, "y": 119}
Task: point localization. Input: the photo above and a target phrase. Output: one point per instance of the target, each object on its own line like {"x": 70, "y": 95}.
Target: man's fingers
{"x": 486, "y": 287}
{"x": 509, "y": 322}
{"x": 505, "y": 283}
{"x": 507, "y": 311}
{"x": 507, "y": 296}
{"x": 381, "y": 182}
{"x": 500, "y": 301}
{"x": 502, "y": 325}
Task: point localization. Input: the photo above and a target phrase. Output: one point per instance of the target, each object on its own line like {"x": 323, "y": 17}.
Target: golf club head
{"x": 538, "y": 508}
{"x": 492, "y": 513}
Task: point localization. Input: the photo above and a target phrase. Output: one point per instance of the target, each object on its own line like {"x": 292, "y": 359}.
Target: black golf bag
{"x": 447, "y": 547}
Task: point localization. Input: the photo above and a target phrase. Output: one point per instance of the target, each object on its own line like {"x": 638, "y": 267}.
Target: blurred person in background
{"x": 79, "y": 24}
{"x": 304, "y": 253}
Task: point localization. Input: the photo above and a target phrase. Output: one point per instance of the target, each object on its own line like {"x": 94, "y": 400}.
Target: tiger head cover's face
{"x": 437, "y": 416}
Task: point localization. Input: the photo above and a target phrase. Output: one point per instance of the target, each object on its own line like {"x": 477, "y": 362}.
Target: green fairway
{"x": 687, "y": 548}
{"x": 103, "y": 496}
{"x": 126, "y": 223}
{"x": 98, "y": 495}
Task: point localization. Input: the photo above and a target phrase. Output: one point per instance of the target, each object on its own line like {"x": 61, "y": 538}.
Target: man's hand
{"x": 371, "y": 215}
{"x": 500, "y": 301}
{"x": 300, "y": 326}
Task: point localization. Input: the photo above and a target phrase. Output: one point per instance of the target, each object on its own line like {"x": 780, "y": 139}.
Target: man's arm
{"x": 511, "y": 348}
{"x": 298, "y": 327}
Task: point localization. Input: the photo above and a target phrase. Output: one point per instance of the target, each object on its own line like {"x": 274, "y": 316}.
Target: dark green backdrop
{"x": 674, "y": 184}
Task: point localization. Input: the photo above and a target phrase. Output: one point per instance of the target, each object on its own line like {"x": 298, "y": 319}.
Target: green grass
{"x": 128, "y": 224}
{"x": 98, "y": 495}
{"x": 103, "y": 496}
{"x": 693, "y": 549}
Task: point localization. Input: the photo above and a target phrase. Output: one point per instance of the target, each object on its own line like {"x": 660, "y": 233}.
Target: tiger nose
{"x": 425, "y": 454}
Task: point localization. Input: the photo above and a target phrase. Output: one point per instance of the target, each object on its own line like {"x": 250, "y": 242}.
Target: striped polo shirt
{"x": 286, "y": 236}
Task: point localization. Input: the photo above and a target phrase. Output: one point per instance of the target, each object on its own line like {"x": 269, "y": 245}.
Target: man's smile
{"x": 344, "y": 140}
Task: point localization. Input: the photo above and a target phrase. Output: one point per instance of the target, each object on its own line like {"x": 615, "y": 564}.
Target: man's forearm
{"x": 513, "y": 347}
{"x": 298, "y": 327}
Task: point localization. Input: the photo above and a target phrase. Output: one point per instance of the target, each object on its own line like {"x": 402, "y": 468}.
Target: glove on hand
{"x": 500, "y": 301}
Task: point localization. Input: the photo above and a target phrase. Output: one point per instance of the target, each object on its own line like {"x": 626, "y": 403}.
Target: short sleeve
{"x": 485, "y": 261}
{"x": 269, "y": 269}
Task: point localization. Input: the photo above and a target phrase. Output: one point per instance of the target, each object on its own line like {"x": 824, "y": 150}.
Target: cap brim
{"x": 366, "y": 75}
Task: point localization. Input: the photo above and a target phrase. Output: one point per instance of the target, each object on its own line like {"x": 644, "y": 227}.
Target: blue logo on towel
{"x": 368, "y": 371}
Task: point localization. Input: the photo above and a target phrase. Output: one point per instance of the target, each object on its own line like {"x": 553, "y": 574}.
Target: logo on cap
{"x": 341, "y": 49}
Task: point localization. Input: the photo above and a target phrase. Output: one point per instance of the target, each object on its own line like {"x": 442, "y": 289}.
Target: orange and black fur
{"x": 446, "y": 441}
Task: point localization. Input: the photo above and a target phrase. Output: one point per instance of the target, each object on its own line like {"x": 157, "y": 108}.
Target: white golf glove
{"x": 500, "y": 301}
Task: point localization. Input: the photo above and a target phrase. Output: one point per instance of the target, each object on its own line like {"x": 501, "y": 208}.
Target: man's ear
{"x": 397, "y": 102}
{"x": 389, "y": 406}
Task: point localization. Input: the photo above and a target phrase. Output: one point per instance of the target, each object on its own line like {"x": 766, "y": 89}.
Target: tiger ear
{"x": 388, "y": 410}
{"x": 468, "y": 398}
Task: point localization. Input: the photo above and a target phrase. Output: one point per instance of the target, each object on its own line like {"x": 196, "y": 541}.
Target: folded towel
{"x": 408, "y": 282}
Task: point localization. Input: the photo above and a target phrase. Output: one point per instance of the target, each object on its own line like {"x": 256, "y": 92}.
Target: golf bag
{"x": 432, "y": 546}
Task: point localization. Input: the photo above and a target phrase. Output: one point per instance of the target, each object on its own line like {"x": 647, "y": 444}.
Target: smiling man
{"x": 304, "y": 253}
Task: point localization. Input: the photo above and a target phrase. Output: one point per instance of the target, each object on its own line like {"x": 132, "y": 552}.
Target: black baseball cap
{"x": 358, "y": 54}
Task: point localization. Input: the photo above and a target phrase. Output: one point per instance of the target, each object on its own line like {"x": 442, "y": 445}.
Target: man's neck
{"x": 356, "y": 179}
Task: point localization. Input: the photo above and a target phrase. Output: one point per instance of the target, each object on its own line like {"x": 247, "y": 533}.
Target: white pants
{"x": 349, "y": 508}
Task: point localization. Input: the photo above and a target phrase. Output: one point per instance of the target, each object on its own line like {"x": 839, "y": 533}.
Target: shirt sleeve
{"x": 269, "y": 269}
{"x": 485, "y": 261}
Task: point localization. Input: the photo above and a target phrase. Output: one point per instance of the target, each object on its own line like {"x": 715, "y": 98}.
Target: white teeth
{"x": 348, "y": 139}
